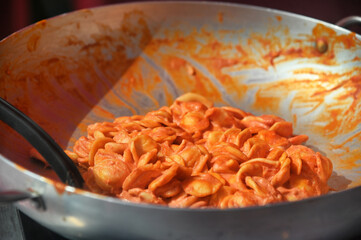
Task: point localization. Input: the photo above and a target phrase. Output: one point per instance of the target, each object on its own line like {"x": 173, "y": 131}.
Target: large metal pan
{"x": 93, "y": 65}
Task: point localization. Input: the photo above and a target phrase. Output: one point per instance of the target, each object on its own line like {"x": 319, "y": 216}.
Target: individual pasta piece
{"x": 162, "y": 116}
{"x": 199, "y": 204}
{"x": 220, "y": 118}
{"x": 148, "y": 157}
{"x": 320, "y": 165}
{"x": 230, "y": 135}
{"x": 239, "y": 199}
{"x": 184, "y": 172}
{"x": 275, "y": 153}
{"x": 273, "y": 139}
{"x": 90, "y": 183}
{"x": 283, "y": 129}
{"x": 298, "y": 139}
{"x": 139, "y": 195}
{"x": 302, "y": 186}
{"x": 296, "y": 163}
{"x": 116, "y": 147}
{"x": 176, "y": 159}
{"x": 119, "y": 121}
{"x": 193, "y": 122}
{"x": 107, "y": 154}
{"x": 229, "y": 149}
{"x": 182, "y": 200}
{"x": 217, "y": 198}
{"x": 193, "y": 97}
{"x": 110, "y": 174}
{"x": 122, "y": 137}
{"x": 271, "y": 119}
{"x": 235, "y": 136}
{"x": 236, "y": 112}
{"x": 283, "y": 175}
{"x": 201, "y": 164}
{"x": 170, "y": 189}
{"x": 190, "y": 154}
{"x": 264, "y": 190}
{"x": 149, "y": 123}
{"x": 142, "y": 176}
{"x": 162, "y": 134}
{"x": 260, "y": 167}
{"x": 224, "y": 164}
{"x": 180, "y": 109}
{"x": 201, "y": 185}
{"x": 106, "y": 128}
{"x": 82, "y": 149}
{"x": 212, "y": 138}
{"x": 163, "y": 179}
{"x": 97, "y": 144}
{"x": 324, "y": 167}
{"x": 142, "y": 144}
{"x": 132, "y": 127}
{"x": 256, "y": 148}
{"x": 254, "y": 123}
{"x": 242, "y": 137}
{"x": 72, "y": 155}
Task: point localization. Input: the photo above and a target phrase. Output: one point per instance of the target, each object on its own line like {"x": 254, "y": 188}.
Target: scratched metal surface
{"x": 94, "y": 65}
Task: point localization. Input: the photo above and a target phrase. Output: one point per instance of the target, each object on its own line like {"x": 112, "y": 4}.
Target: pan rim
{"x": 219, "y": 3}
{"x": 69, "y": 190}
{"x": 114, "y": 200}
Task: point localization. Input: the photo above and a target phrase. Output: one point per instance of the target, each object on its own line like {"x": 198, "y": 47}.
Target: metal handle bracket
{"x": 12, "y": 196}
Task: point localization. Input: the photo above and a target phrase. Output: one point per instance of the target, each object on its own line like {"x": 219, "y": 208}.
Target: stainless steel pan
{"x": 93, "y": 65}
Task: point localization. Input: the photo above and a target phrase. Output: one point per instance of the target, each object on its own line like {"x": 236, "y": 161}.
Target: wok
{"x": 96, "y": 64}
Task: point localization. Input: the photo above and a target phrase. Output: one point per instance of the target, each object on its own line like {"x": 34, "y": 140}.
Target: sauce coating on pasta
{"x": 192, "y": 154}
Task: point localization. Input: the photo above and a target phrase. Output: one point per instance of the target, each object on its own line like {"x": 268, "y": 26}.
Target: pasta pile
{"x": 192, "y": 154}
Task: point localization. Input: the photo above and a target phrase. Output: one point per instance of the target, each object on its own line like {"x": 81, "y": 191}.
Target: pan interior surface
{"x": 98, "y": 64}
{"x": 131, "y": 59}
{"x": 95, "y": 65}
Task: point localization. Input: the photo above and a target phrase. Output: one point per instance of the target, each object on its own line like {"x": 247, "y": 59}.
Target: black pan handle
{"x": 350, "y": 20}
{"x": 41, "y": 141}
{"x": 352, "y": 23}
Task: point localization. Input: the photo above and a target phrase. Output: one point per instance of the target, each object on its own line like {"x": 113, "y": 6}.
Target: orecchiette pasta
{"x": 193, "y": 154}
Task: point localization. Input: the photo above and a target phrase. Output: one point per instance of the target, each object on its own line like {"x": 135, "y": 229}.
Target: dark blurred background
{"x": 16, "y": 14}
